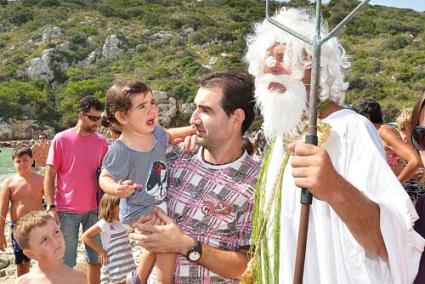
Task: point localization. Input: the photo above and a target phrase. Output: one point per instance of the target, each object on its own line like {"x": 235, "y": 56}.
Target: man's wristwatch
{"x": 50, "y": 207}
{"x": 195, "y": 253}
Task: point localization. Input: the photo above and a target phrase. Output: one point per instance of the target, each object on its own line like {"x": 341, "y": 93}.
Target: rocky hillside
{"x": 52, "y": 52}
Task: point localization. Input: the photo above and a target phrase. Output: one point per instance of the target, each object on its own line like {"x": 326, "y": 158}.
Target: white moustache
{"x": 282, "y": 110}
{"x": 264, "y": 81}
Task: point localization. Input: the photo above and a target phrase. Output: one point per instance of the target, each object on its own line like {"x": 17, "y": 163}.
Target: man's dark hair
{"x": 370, "y": 109}
{"x": 238, "y": 92}
{"x": 89, "y": 102}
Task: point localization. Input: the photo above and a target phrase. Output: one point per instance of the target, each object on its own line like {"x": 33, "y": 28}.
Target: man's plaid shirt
{"x": 212, "y": 203}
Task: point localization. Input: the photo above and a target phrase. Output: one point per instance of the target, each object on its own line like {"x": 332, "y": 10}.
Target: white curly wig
{"x": 298, "y": 54}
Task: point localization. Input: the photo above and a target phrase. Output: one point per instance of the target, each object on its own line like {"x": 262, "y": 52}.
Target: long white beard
{"x": 282, "y": 112}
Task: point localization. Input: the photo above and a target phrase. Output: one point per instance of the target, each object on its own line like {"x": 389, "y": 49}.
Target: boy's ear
{"x": 121, "y": 117}
{"x": 29, "y": 253}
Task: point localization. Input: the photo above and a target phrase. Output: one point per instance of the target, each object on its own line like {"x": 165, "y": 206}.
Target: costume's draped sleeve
{"x": 368, "y": 171}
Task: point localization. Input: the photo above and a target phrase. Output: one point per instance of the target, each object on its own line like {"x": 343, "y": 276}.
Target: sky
{"x": 418, "y": 5}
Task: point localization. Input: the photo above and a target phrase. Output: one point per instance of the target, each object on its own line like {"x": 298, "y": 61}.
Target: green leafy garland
{"x": 258, "y": 270}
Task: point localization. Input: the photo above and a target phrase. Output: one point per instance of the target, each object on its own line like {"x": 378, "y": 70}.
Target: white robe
{"x": 333, "y": 255}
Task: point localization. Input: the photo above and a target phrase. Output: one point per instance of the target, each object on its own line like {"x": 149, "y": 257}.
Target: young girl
{"x": 115, "y": 254}
{"x": 135, "y": 167}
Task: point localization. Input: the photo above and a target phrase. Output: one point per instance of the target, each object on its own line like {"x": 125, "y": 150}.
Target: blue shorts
{"x": 20, "y": 257}
{"x": 70, "y": 227}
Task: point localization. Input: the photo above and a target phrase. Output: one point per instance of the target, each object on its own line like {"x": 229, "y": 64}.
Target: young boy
{"x": 41, "y": 239}
{"x": 24, "y": 191}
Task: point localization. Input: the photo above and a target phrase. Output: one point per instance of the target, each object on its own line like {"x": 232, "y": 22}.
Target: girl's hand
{"x": 103, "y": 257}
{"x": 124, "y": 188}
{"x": 190, "y": 143}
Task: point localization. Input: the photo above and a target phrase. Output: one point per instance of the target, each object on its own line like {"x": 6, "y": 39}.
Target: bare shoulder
{"x": 28, "y": 278}
{"x": 389, "y": 133}
{"x": 7, "y": 182}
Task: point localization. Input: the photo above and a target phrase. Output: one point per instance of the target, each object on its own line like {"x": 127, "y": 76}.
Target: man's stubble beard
{"x": 282, "y": 111}
{"x": 205, "y": 143}
{"x": 89, "y": 130}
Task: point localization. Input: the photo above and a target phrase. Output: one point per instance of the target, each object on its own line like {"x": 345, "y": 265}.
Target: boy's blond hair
{"x": 27, "y": 223}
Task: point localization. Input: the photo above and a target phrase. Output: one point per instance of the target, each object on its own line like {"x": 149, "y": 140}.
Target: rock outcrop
{"x": 167, "y": 107}
{"x": 49, "y": 65}
{"x": 5, "y": 131}
{"x": 111, "y": 47}
{"x": 41, "y": 67}
{"x": 23, "y": 130}
{"x": 50, "y": 33}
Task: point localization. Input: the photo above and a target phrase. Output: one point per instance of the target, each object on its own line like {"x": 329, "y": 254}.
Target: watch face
{"x": 194, "y": 256}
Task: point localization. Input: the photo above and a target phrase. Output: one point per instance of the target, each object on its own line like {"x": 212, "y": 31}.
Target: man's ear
{"x": 121, "y": 117}
{"x": 29, "y": 253}
{"x": 238, "y": 116}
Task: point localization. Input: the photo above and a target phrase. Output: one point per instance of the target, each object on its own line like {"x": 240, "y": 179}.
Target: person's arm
{"x": 50, "y": 189}
{"x": 169, "y": 238}
{"x": 123, "y": 188}
{"x": 393, "y": 141}
{"x": 179, "y": 132}
{"x": 4, "y": 205}
{"x": 313, "y": 169}
{"x": 87, "y": 238}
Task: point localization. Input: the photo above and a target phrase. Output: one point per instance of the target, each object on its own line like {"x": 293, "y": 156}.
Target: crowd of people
{"x": 204, "y": 210}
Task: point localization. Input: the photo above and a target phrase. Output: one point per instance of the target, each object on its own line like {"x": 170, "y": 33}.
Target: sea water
{"x": 6, "y": 164}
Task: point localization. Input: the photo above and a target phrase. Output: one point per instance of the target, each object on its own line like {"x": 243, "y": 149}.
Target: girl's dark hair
{"x": 118, "y": 97}
{"x": 107, "y": 205}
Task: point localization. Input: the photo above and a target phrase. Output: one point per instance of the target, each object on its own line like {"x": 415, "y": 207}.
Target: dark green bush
{"x": 20, "y": 16}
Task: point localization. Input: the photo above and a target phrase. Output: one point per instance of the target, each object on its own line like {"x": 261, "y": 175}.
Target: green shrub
{"x": 20, "y": 16}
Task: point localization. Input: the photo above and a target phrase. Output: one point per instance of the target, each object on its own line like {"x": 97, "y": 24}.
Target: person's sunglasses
{"x": 418, "y": 137}
{"x": 92, "y": 117}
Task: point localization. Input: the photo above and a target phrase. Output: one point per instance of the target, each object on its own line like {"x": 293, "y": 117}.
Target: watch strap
{"x": 50, "y": 207}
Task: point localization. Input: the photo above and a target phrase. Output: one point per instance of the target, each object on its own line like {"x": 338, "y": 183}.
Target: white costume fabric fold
{"x": 333, "y": 255}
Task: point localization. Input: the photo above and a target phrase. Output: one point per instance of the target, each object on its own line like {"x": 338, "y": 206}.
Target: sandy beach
{"x": 8, "y": 274}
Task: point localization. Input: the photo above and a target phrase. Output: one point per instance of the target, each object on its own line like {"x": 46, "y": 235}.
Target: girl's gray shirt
{"x": 147, "y": 169}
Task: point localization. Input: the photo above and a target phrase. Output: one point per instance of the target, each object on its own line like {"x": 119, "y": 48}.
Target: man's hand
{"x": 3, "y": 244}
{"x": 313, "y": 169}
{"x": 167, "y": 238}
